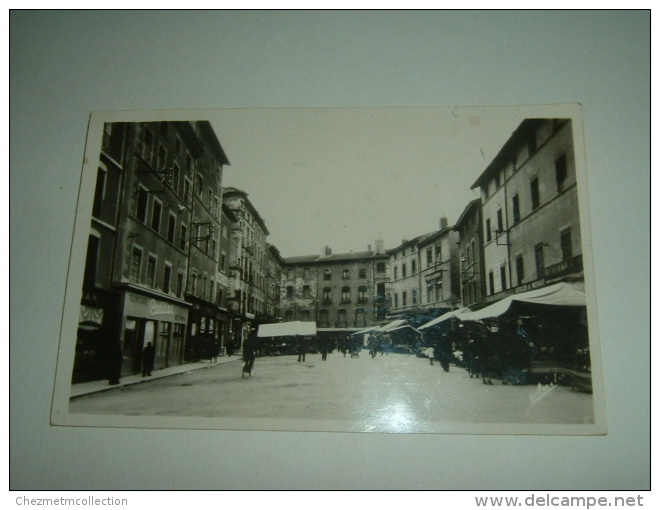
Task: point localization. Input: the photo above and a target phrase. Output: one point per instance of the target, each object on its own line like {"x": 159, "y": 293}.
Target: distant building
{"x": 337, "y": 291}
{"x": 531, "y": 221}
{"x": 471, "y": 263}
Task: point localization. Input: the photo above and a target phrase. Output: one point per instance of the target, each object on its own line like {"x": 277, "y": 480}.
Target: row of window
{"x": 381, "y": 268}
{"x": 561, "y": 175}
{"x": 341, "y": 317}
{"x": 430, "y": 262}
{"x": 203, "y": 235}
{"x": 200, "y": 284}
{"x": 171, "y": 175}
{"x": 362, "y": 296}
{"x": 566, "y": 245}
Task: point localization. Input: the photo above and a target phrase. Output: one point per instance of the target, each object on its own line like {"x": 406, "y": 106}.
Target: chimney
{"x": 443, "y": 222}
{"x": 368, "y": 247}
{"x": 328, "y": 251}
{"x": 380, "y": 247}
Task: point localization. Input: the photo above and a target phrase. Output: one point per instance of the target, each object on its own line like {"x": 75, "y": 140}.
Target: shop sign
{"x": 153, "y": 308}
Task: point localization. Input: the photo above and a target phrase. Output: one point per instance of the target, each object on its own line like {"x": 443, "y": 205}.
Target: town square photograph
{"x": 401, "y": 270}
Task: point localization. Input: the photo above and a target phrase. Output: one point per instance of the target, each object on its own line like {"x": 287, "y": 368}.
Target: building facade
{"x": 97, "y": 325}
{"x": 248, "y": 265}
{"x": 274, "y": 269}
{"x": 424, "y": 272}
{"x": 531, "y": 222}
{"x": 206, "y": 322}
{"x": 471, "y": 263}
{"x": 143, "y": 244}
{"x": 337, "y": 291}
{"x": 439, "y": 280}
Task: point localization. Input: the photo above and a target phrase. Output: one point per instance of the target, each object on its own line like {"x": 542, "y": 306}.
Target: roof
{"x": 517, "y": 138}
{"x": 212, "y": 142}
{"x": 421, "y": 239}
{"x": 467, "y": 211}
{"x": 230, "y": 191}
{"x": 335, "y": 257}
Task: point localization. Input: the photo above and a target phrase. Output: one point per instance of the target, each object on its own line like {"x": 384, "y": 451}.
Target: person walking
{"x": 323, "y": 347}
{"x": 302, "y": 348}
{"x": 148, "y": 357}
{"x": 250, "y": 352}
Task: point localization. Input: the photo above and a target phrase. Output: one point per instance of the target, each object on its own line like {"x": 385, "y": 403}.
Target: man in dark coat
{"x": 250, "y": 348}
{"x": 148, "y": 357}
{"x": 323, "y": 347}
{"x": 302, "y": 348}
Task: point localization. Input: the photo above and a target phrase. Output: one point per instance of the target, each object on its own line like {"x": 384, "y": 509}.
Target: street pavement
{"x": 392, "y": 393}
{"x": 86, "y": 388}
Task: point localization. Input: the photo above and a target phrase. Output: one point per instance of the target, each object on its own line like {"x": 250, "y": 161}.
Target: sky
{"x": 344, "y": 177}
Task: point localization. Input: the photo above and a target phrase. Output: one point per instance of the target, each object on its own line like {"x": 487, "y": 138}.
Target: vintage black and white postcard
{"x": 389, "y": 270}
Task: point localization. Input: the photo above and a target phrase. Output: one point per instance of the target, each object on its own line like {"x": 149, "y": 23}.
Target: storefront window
{"x": 164, "y": 340}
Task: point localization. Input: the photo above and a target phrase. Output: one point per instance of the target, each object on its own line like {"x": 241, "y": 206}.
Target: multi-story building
{"x": 97, "y": 330}
{"x": 471, "y": 261}
{"x": 274, "y": 268}
{"x": 424, "y": 272}
{"x": 404, "y": 262}
{"x": 225, "y": 316}
{"x": 438, "y": 264}
{"x": 206, "y": 322}
{"x": 339, "y": 292}
{"x": 248, "y": 265}
{"x": 531, "y": 221}
{"x": 143, "y": 246}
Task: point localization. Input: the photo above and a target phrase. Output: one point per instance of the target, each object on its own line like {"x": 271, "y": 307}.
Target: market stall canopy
{"x": 294, "y": 328}
{"x": 368, "y": 330}
{"x": 393, "y": 325}
{"x": 406, "y": 327}
{"x": 444, "y": 317}
{"x": 560, "y": 294}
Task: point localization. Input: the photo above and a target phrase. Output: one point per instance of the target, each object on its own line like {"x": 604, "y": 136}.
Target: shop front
{"x": 94, "y": 335}
{"x": 150, "y": 319}
{"x": 205, "y": 330}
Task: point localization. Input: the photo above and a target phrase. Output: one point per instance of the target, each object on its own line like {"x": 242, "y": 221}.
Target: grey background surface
{"x": 66, "y": 64}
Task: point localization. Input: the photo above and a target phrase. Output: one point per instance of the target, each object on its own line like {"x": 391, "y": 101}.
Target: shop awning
{"x": 444, "y": 317}
{"x": 560, "y": 294}
{"x": 406, "y": 327}
{"x": 367, "y": 330}
{"x": 294, "y": 328}
{"x": 393, "y": 325}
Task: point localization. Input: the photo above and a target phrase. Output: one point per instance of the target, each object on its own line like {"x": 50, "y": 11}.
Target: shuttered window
{"x": 151, "y": 272}
{"x": 136, "y": 262}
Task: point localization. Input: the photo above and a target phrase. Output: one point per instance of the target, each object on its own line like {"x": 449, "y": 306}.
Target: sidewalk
{"x": 80, "y": 389}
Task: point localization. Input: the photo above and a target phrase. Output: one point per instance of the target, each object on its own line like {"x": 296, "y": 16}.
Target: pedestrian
{"x": 323, "y": 347}
{"x": 302, "y": 348}
{"x": 148, "y": 357}
{"x": 343, "y": 345}
{"x": 250, "y": 351}
{"x": 115, "y": 358}
{"x": 214, "y": 350}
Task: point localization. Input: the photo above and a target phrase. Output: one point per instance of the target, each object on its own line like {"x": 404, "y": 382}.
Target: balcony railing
{"x": 571, "y": 265}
